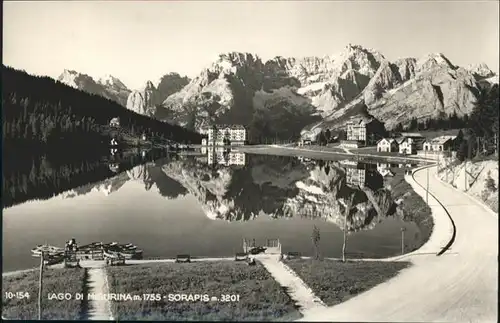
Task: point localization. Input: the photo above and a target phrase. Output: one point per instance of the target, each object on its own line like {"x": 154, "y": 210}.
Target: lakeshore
{"x": 283, "y": 274}
{"x": 316, "y": 152}
{"x": 243, "y": 292}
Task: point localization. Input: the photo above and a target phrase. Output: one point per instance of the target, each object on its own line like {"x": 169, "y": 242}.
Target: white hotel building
{"x": 225, "y": 135}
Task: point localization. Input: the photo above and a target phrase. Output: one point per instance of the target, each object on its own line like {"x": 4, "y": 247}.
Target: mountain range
{"x": 143, "y": 100}
{"x": 283, "y": 96}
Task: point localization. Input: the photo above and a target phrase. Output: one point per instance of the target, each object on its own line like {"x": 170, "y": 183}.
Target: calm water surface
{"x": 206, "y": 205}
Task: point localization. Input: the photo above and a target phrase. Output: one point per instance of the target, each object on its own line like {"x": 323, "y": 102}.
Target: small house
{"x": 204, "y": 141}
{"x": 417, "y": 138}
{"x": 115, "y": 122}
{"x": 387, "y": 145}
{"x": 407, "y": 146}
{"x": 441, "y": 143}
{"x": 305, "y": 142}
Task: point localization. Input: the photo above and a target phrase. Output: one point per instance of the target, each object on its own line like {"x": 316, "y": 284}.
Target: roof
{"x": 453, "y": 132}
{"x": 411, "y": 135}
{"x": 441, "y": 140}
{"x": 390, "y": 140}
{"x": 358, "y": 120}
{"x": 224, "y": 126}
{"x": 400, "y": 140}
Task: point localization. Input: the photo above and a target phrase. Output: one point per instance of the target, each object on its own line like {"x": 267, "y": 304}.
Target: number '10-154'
{"x": 17, "y": 295}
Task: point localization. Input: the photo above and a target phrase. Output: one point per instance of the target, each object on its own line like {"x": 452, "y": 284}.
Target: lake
{"x": 203, "y": 204}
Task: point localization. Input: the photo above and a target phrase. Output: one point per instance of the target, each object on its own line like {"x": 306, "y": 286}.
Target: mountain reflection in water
{"x": 244, "y": 190}
{"x": 233, "y": 186}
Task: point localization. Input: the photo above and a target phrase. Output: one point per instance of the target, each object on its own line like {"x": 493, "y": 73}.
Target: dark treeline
{"x": 42, "y": 177}
{"x": 484, "y": 117}
{"x": 482, "y": 121}
{"x": 326, "y": 136}
{"x": 39, "y": 112}
{"x": 482, "y": 134}
{"x": 443, "y": 122}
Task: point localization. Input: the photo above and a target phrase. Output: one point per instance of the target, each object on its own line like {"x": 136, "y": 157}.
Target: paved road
{"x": 461, "y": 285}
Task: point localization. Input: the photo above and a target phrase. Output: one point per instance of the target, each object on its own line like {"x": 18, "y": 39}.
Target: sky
{"x": 140, "y": 41}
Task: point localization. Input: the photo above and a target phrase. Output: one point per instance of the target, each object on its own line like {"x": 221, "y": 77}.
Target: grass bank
{"x": 54, "y": 281}
{"x": 412, "y": 206}
{"x": 260, "y": 296}
{"x": 335, "y": 282}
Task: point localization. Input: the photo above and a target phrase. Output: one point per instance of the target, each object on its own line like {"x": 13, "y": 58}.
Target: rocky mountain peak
{"x": 230, "y": 63}
{"x": 144, "y": 100}
{"x": 69, "y": 72}
{"x": 74, "y": 78}
{"x": 281, "y": 62}
{"x": 433, "y": 60}
{"x": 149, "y": 86}
{"x": 111, "y": 81}
{"x": 481, "y": 70}
{"x": 107, "y": 86}
{"x": 239, "y": 58}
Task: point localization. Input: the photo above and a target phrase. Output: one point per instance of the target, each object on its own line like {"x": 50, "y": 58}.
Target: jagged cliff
{"x": 281, "y": 97}
{"x": 143, "y": 101}
{"x": 147, "y": 100}
{"x": 107, "y": 86}
{"x": 317, "y": 92}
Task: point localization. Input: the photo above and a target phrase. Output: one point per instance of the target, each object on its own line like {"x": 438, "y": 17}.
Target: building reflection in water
{"x": 362, "y": 175}
{"x": 226, "y": 157}
{"x": 388, "y": 169}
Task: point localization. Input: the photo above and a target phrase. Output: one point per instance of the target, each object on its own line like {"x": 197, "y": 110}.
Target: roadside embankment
{"x": 479, "y": 179}
{"x": 459, "y": 286}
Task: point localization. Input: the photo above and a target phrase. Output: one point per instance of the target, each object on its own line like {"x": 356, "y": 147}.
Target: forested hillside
{"x": 41, "y": 113}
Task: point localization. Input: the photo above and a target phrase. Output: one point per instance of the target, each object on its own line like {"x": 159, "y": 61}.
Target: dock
{"x": 113, "y": 253}
{"x": 271, "y": 247}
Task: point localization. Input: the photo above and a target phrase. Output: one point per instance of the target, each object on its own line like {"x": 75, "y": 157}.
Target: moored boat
{"x": 129, "y": 246}
{"x": 51, "y": 250}
{"x": 129, "y": 254}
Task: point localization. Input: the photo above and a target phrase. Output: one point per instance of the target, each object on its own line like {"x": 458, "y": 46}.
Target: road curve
{"x": 461, "y": 285}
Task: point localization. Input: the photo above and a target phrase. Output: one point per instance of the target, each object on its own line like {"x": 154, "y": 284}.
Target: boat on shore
{"x": 129, "y": 246}
{"x": 91, "y": 251}
{"x": 51, "y": 250}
